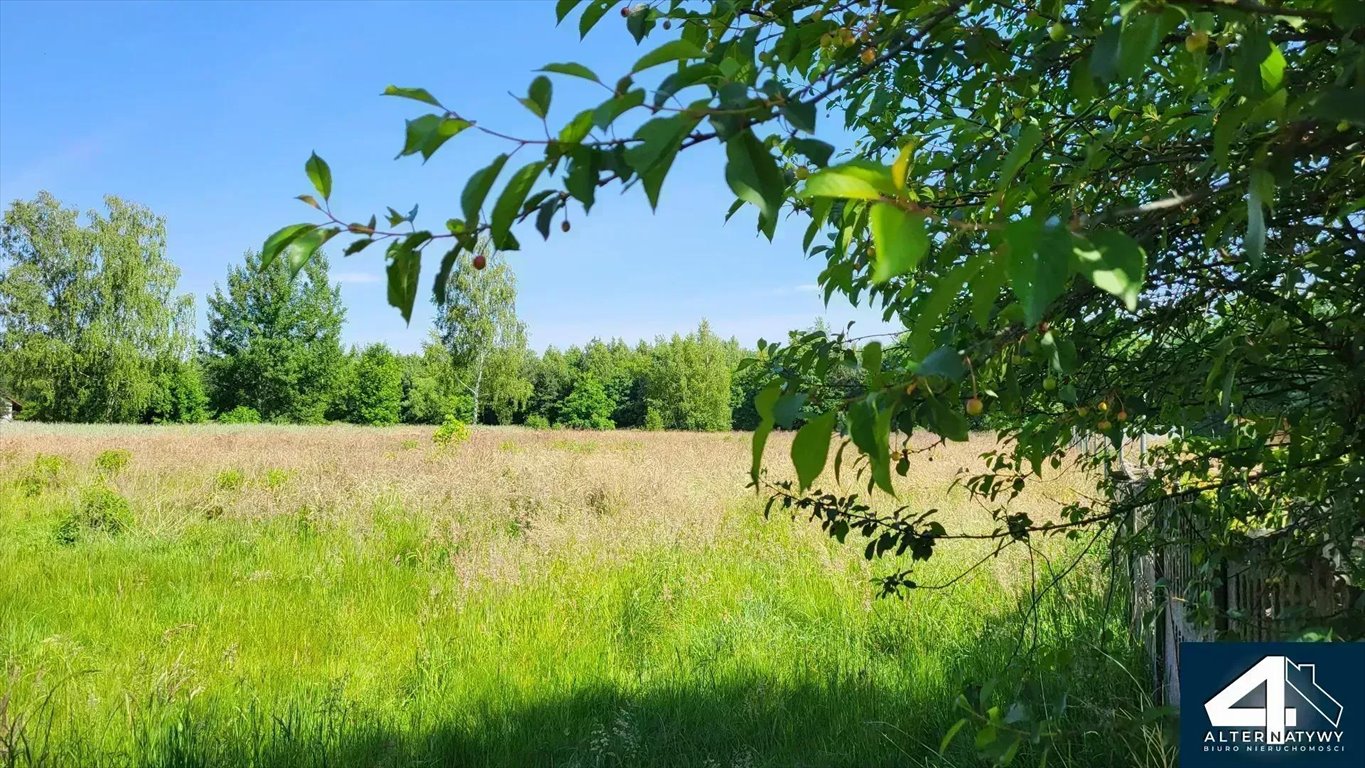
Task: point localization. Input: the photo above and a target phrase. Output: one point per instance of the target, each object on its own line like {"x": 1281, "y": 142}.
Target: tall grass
{"x": 519, "y": 600}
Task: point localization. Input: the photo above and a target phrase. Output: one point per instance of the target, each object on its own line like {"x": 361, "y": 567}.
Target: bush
{"x": 43, "y": 475}
{"x": 242, "y": 414}
{"x": 230, "y": 480}
{"x": 536, "y": 421}
{"x": 275, "y": 478}
{"x": 451, "y": 432}
{"x": 110, "y": 463}
{"x": 100, "y": 510}
{"x": 654, "y": 421}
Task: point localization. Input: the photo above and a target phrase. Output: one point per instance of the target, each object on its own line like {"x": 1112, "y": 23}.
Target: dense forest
{"x": 92, "y": 329}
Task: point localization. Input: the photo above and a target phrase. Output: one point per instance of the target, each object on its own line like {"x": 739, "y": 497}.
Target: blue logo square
{"x": 1289, "y": 705}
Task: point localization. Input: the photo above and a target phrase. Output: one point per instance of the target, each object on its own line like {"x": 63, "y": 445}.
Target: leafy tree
{"x": 477, "y": 322}
{"x": 1092, "y": 219}
{"x": 430, "y": 391}
{"x": 376, "y": 396}
{"x": 274, "y": 340}
{"x": 588, "y": 406}
{"x": 689, "y": 381}
{"x": 552, "y": 378}
{"x": 177, "y": 395}
{"x": 86, "y": 312}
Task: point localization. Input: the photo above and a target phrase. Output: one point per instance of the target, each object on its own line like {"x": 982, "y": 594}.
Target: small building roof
{"x": 18, "y": 406}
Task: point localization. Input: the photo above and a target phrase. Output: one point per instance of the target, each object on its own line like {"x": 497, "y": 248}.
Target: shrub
{"x": 242, "y": 414}
{"x": 409, "y": 444}
{"x": 451, "y": 432}
{"x": 275, "y": 478}
{"x": 110, "y": 463}
{"x": 100, "y": 509}
{"x": 654, "y": 421}
{"x": 536, "y": 421}
{"x": 43, "y": 475}
{"x": 230, "y": 480}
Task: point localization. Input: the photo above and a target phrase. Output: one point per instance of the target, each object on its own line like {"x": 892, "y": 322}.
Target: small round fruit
{"x": 1197, "y": 41}
{"x": 1018, "y": 113}
{"x": 1103, "y": 425}
{"x": 667, "y": 25}
{"x": 1049, "y": 383}
{"x": 975, "y": 406}
{"x": 480, "y": 262}
{"x": 802, "y": 172}
{"x": 1121, "y": 415}
{"x": 868, "y": 56}
{"x": 1057, "y": 32}
{"x": 625, "y": 11}
{"x": 1102, "y": 406}
{"x": 1082, "y": 411}
{"x": 565, "y": 226}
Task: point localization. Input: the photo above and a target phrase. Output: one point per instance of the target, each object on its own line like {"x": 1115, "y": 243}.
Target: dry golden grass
{"x": 556, "y": 490}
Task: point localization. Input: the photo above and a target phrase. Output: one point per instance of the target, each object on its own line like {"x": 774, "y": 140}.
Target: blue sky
{"x": 205, "y": 112}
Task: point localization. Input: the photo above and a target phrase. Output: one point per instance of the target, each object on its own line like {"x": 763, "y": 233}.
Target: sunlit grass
{"x": 524, "y": 599}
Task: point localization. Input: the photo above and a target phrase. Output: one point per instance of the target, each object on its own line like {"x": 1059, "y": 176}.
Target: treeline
{"x": 92, "y": 330}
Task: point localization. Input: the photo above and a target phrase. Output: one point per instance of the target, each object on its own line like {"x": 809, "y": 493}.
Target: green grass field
{"x": 339, "y": 596}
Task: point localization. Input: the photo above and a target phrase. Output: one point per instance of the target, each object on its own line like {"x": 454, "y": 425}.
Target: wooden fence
{"x": 1254, "y": 598}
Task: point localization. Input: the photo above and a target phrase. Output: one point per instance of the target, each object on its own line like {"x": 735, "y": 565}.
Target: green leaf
{"x": 416, "y": 94}
{"x": 563, "y": 7}
{"x": 302, "y": 248}
{"x": 753, "y": 176}
{"x": 577, "y": 129}
{"x": 405, "y": 265}
{"x": 1104, "y": 57}
{"x": 673, "y": 50}
{"x": 509, "y": 202}
{"x": 949, "y": 423}
{"x": 477, "y": 188}
{"x": 443, "y": 274}
{"x": 319, "y": 174}
{"x": 1038, "y": 264}
{"x": 427, "y": 133}
{"x": 656, "y": 138}
{"x": 1272, "y": 69}
{"x": 1114, "y": 263}
{"x": 538, "y": 96}
{"x": 900, "y": 239}
{"x": 945, "y": 362}
{"x": 591, "y": 15}
{"x": 800, "y": 114}
{"x": 609, "y": 110}
{"x": 572, "y": 69}
{"x": 1029, "y": 136}
{"x": 1259, "y": 193}
{"x": 1341, "y": 103}
{"x": 282, "y": 237}
{"x": 357, "y": 246}
{"x": 818, "y": 152}
{"x": 810, "y": 448}
{"x": 1137, "y": 42}
{"x": 948, "y": 737}
{"x": 858, "y": 180}
{"x": 310, "y": 200}
{"x": 869, "y": 428}
{"x": 763, "y": 405}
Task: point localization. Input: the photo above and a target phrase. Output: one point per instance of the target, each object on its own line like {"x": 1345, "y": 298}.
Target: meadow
{"x": 337, "y": 596}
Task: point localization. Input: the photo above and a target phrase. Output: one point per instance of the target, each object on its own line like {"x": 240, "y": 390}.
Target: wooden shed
{"x": 8, "y": 407}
